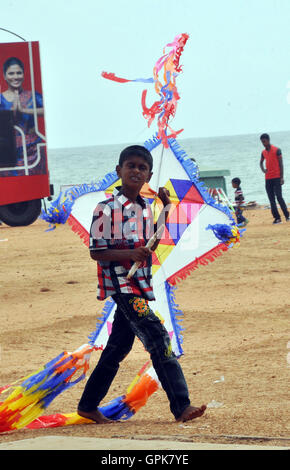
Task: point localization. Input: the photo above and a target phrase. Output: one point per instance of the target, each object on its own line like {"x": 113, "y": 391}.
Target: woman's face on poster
{"x": 14, "y": 76}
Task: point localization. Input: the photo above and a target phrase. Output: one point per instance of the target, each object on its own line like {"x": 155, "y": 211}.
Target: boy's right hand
{"x": 140, "y": 254}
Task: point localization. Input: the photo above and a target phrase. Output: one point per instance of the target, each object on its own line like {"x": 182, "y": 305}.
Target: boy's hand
{"x": 140, "y": 254}
{"x": 163, "y": 195}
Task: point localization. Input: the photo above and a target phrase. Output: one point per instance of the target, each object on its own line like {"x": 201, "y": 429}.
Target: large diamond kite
{"x": 186, "y": 242}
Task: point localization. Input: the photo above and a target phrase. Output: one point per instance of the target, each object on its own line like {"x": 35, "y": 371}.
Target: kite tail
{"x": 29, "y": 399}
{"x": 126, "y": 406}
{"x": 114, "y": 78}
{"x": 138, "y": 395}
{"x": 165, "y": 107}
{"x": 121, "y": 408}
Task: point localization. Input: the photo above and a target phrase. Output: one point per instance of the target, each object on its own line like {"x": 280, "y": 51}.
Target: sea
{"x": 240, "y": 154}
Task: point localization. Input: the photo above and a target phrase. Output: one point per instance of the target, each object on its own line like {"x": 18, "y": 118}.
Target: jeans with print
{"x": 133, "y": 317}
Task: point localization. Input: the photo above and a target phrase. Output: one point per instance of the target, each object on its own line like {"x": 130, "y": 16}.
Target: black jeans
{"x": 274, "y": 190}
{"x": 133, "y": 317}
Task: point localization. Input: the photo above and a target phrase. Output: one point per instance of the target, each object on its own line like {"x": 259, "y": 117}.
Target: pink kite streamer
{"x": 163, "y": 109}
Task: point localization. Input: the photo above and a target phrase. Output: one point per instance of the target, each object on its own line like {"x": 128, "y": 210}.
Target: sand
{"x": 236, "y": 320}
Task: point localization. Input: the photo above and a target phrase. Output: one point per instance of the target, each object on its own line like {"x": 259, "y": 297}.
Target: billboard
{"x": 23, "y": 152}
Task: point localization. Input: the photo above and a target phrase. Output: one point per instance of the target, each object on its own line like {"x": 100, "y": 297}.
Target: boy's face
{"x": 234, "y": 185}
{"x": 134, "y": 172}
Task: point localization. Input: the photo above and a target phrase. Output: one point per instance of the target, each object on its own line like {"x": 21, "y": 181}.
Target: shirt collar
{"x": 124, "y": 201}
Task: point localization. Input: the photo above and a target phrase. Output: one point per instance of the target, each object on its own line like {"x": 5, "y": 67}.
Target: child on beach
{"x": 239, "y": 200}
{"x": 120, "y": 229}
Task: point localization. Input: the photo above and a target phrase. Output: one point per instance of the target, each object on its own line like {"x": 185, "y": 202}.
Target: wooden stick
{"x": 150, "y": 243}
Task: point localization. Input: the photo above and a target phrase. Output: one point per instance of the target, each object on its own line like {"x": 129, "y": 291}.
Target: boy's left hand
{"x": 163, "y": 195}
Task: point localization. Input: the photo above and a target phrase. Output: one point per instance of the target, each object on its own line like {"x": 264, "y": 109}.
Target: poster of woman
{"x": 22, "y": 129}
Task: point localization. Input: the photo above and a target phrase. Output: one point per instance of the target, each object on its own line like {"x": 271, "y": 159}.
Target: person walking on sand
{"x": 239, "y": 200}
{"x": 274, "y": 174}
{"x": 120, "y": 229}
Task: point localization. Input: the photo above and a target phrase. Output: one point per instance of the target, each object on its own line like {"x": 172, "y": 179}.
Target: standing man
{"x": 274, "y": 177}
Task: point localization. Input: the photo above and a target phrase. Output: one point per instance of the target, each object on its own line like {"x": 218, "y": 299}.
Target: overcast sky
{"x": 236, "y": 64}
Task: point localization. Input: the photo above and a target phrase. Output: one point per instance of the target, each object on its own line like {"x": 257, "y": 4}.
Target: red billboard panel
{"x": 23, "y": 156}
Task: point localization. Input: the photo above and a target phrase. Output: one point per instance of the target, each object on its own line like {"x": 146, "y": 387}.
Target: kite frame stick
{"x": 159, "y": 172}
{"x": 150, "y": 243}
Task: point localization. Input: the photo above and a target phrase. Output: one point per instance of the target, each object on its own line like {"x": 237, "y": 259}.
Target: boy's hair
{"x": 136, "y": 151}
{"x": 236, "y": 181}
{"x": 265, "y": 136}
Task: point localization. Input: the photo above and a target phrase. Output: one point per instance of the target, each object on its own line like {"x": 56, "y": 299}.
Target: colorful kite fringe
{"x": 36, "y": 391}
{"x": 165, "y": 107}
{"x": 121, "y": 408}
{"x": 25, "y": 405}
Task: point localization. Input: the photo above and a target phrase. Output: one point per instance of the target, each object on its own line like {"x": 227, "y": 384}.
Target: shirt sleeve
{"x": 100, "y": 231}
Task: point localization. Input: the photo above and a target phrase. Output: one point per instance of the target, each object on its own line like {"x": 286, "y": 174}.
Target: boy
{"x": 274, "y": 175}
{"x": 239, "y": 200}
{"x": 120, "y": 229}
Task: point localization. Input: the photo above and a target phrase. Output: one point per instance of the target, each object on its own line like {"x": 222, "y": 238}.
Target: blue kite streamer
{"x": 117, "y": 409}
{"x": 175, "y": 313}
{"x": 228, "y": 234}
{"x": 107, "y": 309}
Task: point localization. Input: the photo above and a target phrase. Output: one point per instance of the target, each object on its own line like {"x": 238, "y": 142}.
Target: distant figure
{"x": 274, "y": 177}
{"x": 239, "y": 200}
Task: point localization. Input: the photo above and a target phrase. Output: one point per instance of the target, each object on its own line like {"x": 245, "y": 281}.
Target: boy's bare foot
{"x": 191, "y": 412}
{"x": 96, "y": 416}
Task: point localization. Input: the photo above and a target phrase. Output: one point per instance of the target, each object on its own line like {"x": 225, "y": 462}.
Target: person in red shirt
{"x": 274, "y": 174}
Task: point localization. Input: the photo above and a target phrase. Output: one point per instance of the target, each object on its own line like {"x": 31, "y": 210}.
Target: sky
{"x": 236, "y": 65}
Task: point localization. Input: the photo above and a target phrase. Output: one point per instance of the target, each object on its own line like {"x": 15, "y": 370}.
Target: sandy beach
{"x": 236, "y": 320}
